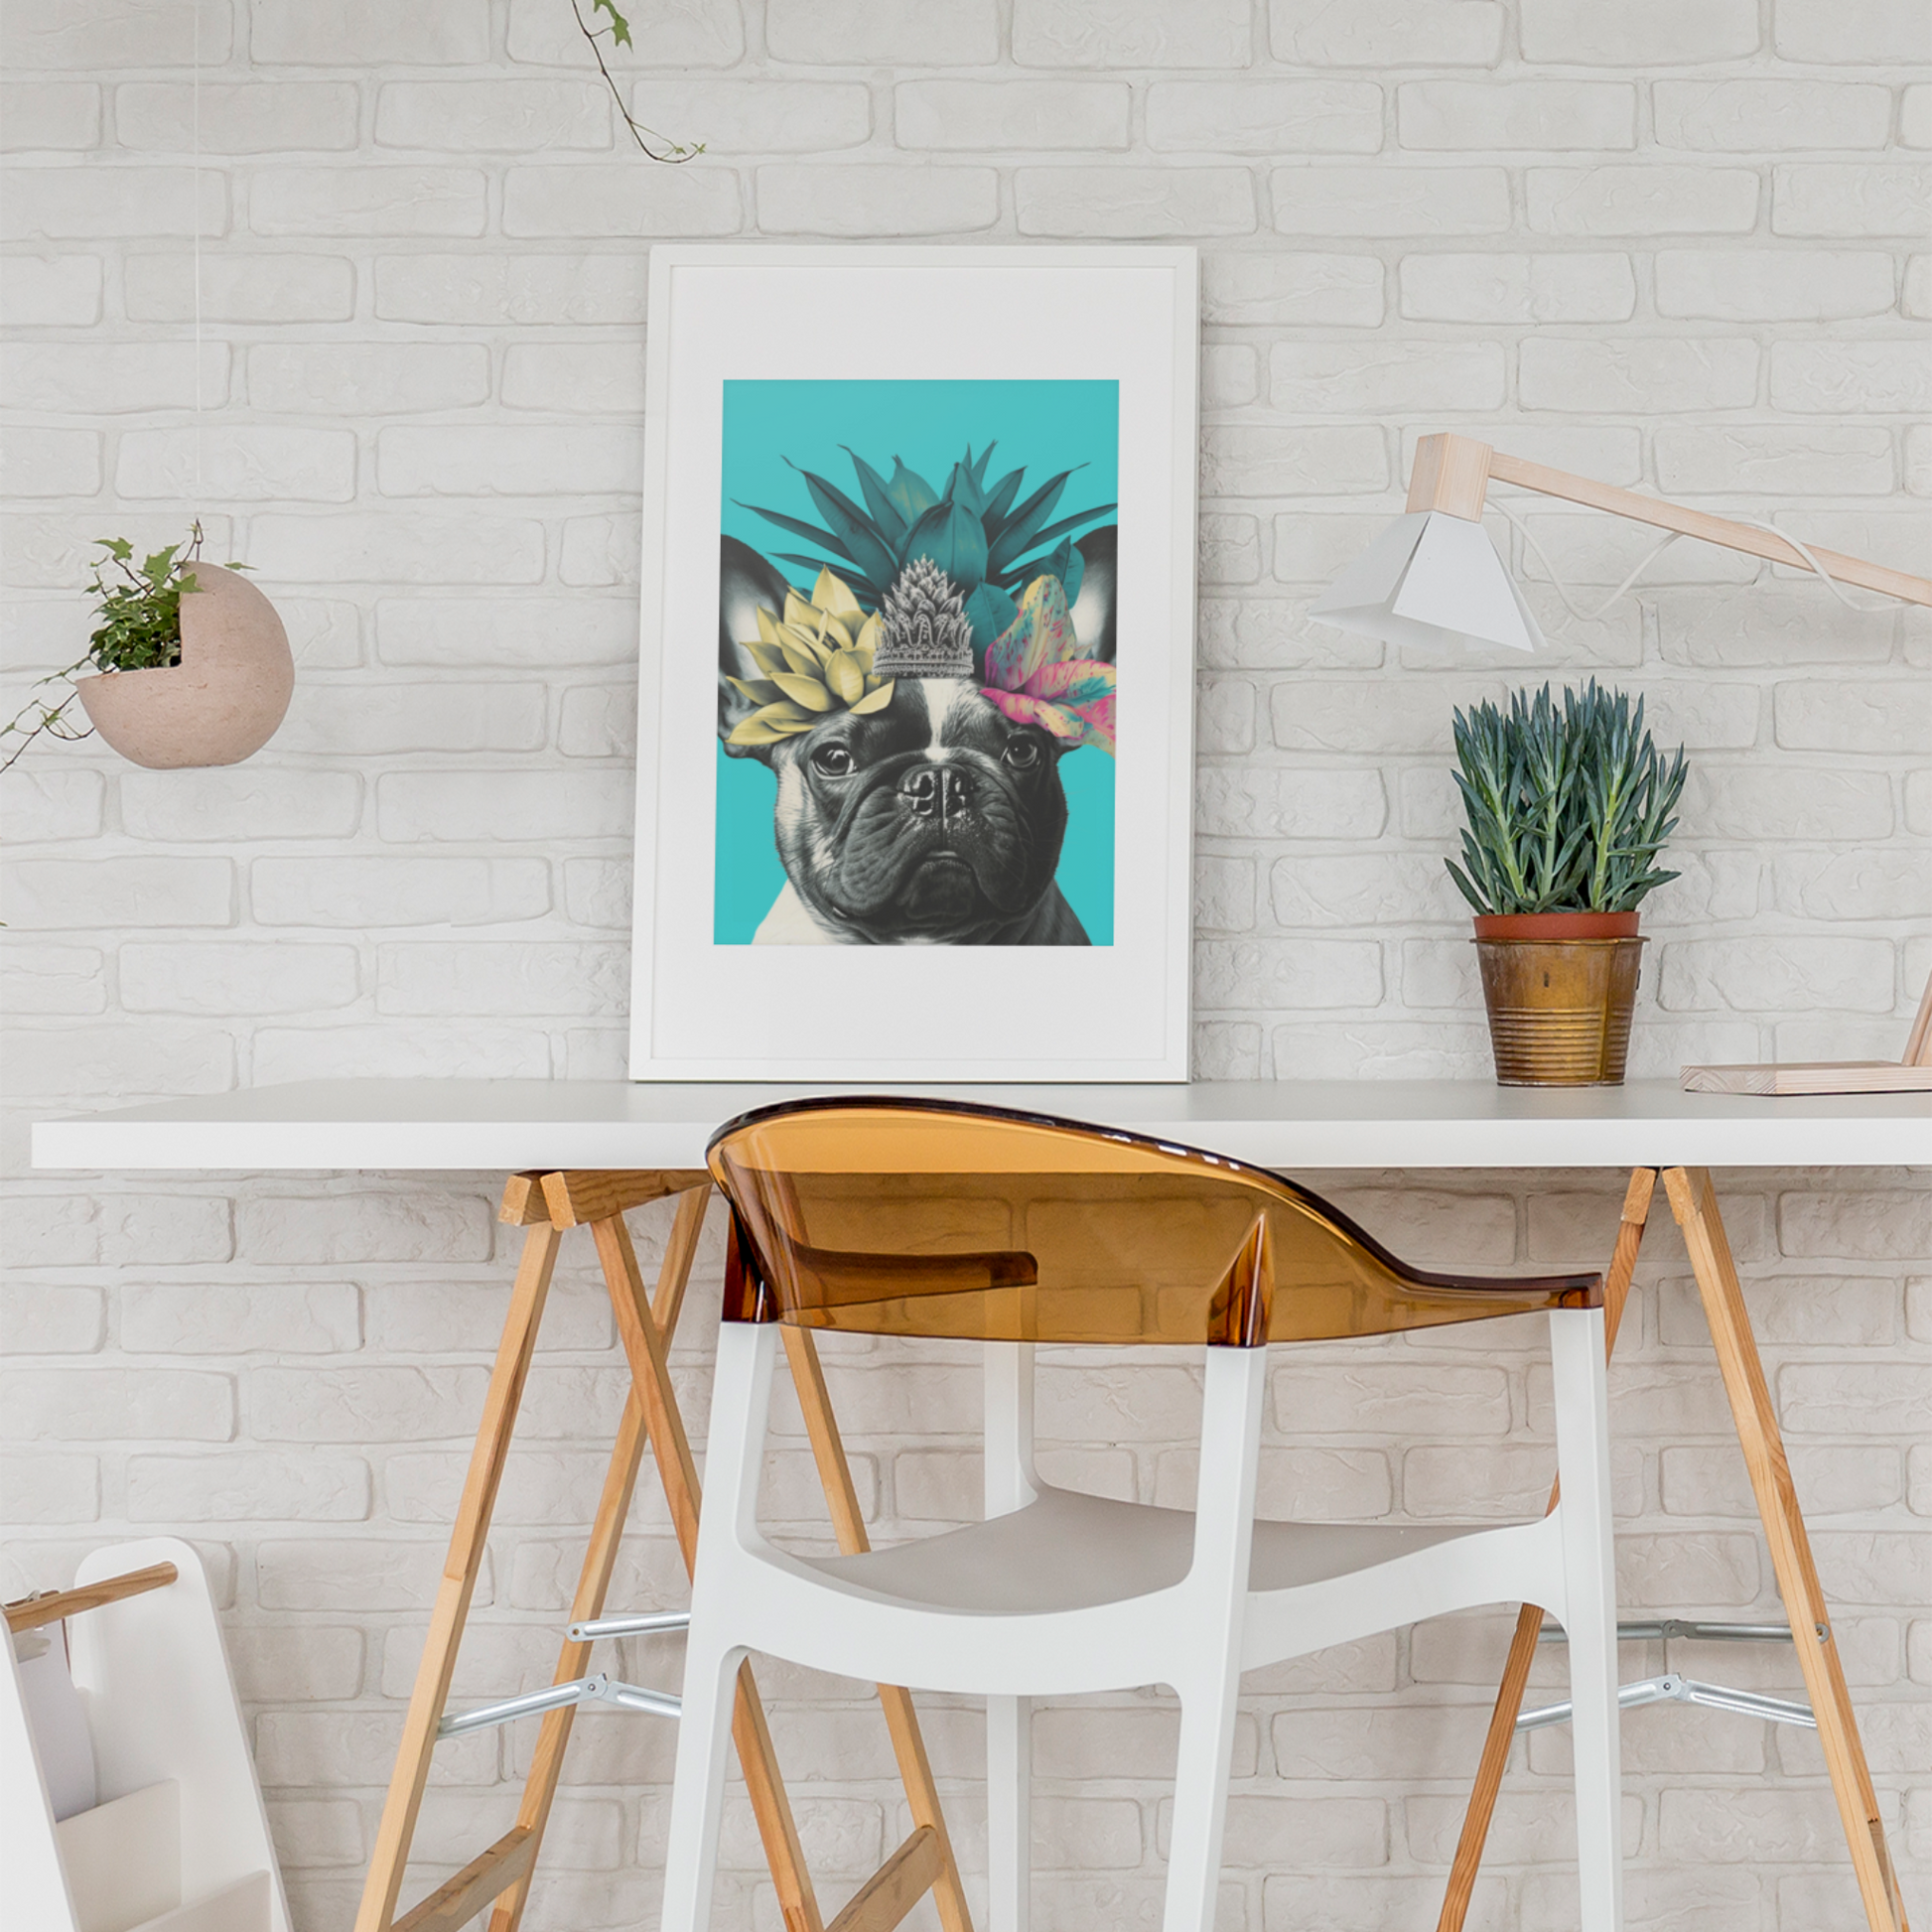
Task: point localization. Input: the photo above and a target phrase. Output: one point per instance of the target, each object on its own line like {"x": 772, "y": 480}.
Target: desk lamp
{"x": 1435, "y": 578}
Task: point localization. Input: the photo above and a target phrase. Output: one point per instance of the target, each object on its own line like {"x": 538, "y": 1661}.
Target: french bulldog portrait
{"x": 926, "y": 815}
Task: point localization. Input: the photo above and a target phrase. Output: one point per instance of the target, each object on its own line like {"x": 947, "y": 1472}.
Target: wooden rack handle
{"x": 33, "y": 1611}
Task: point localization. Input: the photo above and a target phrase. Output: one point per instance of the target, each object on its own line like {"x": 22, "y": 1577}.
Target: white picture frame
{"x": 894, "y": 1012}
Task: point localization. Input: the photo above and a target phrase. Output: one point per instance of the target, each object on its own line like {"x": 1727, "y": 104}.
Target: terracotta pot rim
{"x": 1556, "y": 927}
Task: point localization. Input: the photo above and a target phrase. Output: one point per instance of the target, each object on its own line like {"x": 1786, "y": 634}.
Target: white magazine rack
{"x": 178, "y": 1841}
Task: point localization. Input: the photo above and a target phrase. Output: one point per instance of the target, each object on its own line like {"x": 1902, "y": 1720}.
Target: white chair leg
{"x": 703, "y": 1742}
{"x": 1208, "y": 1678}
{"x": 1589, "y": 1612}
{"x": 1009, "y": 1812}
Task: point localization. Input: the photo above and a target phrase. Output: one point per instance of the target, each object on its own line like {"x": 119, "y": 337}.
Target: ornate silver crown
{"x": 927, "y": 632}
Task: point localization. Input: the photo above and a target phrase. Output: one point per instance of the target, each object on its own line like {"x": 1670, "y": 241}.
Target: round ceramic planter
{"x": 1559, "y": 988}
{"x": 222, "y": 702}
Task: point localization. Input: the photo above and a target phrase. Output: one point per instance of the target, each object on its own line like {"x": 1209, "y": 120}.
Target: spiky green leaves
{"x": 1567, "y": 806}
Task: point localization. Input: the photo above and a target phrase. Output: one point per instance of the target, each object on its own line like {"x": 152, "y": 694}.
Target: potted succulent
{"x": 1568, "y": 805}
{"x": 193, "y": 665}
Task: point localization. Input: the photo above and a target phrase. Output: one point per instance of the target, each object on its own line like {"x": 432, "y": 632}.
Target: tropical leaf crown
{"x": 938, "y": 574}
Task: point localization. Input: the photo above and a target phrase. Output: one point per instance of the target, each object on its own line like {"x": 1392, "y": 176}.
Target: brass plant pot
{"x": 1559, "y": 988}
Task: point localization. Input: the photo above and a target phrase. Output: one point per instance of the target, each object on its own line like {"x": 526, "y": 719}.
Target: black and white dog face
{"x": 936, "y": 821}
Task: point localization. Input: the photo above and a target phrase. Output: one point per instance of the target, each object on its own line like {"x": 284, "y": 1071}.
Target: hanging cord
{"x": 1650, "y": 556}
{"x": 195, "y": 190}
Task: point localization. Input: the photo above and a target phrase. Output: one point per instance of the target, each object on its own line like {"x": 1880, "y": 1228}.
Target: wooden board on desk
{"x": 1816, "y": 1076}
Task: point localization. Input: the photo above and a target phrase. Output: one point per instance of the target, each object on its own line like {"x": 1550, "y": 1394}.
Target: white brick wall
{"x": 1677, "y": 246}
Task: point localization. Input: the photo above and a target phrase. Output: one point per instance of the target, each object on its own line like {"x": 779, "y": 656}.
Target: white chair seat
{"x": 1072, "y": 1552}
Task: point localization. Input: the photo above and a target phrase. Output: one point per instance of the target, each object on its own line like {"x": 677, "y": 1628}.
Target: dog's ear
{"x": 747, "y": 584}
{"x": 1093, "y": 608}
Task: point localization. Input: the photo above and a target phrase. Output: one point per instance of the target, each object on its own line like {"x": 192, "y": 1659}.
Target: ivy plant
{"x": 1568, "y": 803}
{"x": 138, "y": 606}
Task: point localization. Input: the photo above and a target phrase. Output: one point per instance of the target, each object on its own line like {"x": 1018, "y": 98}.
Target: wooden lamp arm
{"x": 1451, "y": 474}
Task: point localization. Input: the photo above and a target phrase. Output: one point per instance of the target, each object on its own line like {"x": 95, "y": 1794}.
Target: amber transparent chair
{"x": 930, "y": 1219}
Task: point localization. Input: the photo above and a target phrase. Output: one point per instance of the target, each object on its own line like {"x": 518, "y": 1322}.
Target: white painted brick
{"x": 1357, "y": 202}
{"x": 1125, "y": 203}
{"x": 1750, "y": 977}
{"x": 599, "y": 720}
{"x": 1270, "y": 117}
{"x": 1224, "y": 894}
{"x": 1252, "y": 460}
{"x": 75, "y": 33}
{"x": 241, "y": 288}
{"x": 227, "y": 979}
{"x": 1224, "y": 718}
{"x": 114, "y": 378}
{"x": 52, "y": 114}
{"x": 249, "y": 1486}
{"x": 493, "y": 116}
{"x": 1132, "y": 32}
{"x": 1230, "y": 550}
{"x": 251, "y": 117}
{"x": 297, "y": 33}
{"x": 415, "y": 718}
{"x": 45, "y": 290}
{"x": 1267, "y": 802}
{"x": 1384, "y": 378}
{"x": 1527, "y": 1827}
{"x": 1854, "y": 716}
{"x": 110, "y": 1230}
{"x": 1387, "y": 889}
{"x": 338, "y": 381}
{"x": 1865, "y": 32}
{"x": 335, "y": 1749}
{"x": 317, "y": 1832}
{"x": 1919, "y": 460}
{"x": 1274, "y": 973}
{"x": 109, "y": 1060}
{"x": 1354, "y": 716}
{"x": 1033, "y": 114}
{"x": 1539, "y": 115}
{"x": 595, "y": 378}
{"x": 526, "y": 460}
{"x": 1915, "y": 117}
{"x": 52, "y": 1321}
{"x": 100, "y": 1404}
{"x": 1647, "y": 376}
{"x": 1781, "y": 624}
{"x": 110, "y": 893}
{"x": 1857, "y": 377}
{"x": 49, "y": 462}
{"x": 1784, "y": 801}
{"x": 393, "y": 547}
{"x": 1306, "y": 1484}
{"x": 235, "y": 803}
{"x": 223, "y": 1318}
{"x": 1518, "y": 288}
{"x": 1295, "y": 287}
{"x": 397, "y": 891}
{"x": 881, "y": 32}
{"x": 523, "y": 288}
{"x": 44, "y": 1487}
{"x": 1874, "y": 1225}
{"x": 1227, "y": 1051}
{"x": 468, "y": 1052}
{"x": 678, "y": 33}
{"x": 1752, "y": 116}
{"x": 1230, "y": 375}
{"x": 1841, "y": 201}
{"x": 518, "y": 631}
{"x": 385, "y": 201}
{"x": 357, "y": 1405}
{"x": 1872, "y": 883}
{"x": 1902, "y": 537}
{"x": 486, "y": 978}
{"x": 239, "y": 461}
{"x": 626, "y": 197}
{"x": 51, "y": 979}
{"x": 1385, "y": 33}
{"x": 505, "y": 806}
{"x": 1743, "y": 285}
{"x": 1633, "y": 35}
{"x": 757, "y": 116}
{"x": 1641, "y": 199}
{"x": 1829, "y": 1480}
{"x": 1696, "y": 459}
{"x": 597, "y": 892}
{"x": 1686, "y": 1896}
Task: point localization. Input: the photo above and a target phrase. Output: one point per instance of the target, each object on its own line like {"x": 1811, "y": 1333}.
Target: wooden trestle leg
{"x": 1695, "y": 1205}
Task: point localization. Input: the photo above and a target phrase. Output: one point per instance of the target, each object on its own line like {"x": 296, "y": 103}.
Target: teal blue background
{"x": 1042, "y": 427}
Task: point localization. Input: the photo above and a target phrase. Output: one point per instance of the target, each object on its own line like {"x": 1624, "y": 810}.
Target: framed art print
{"x": 914, "y": 747}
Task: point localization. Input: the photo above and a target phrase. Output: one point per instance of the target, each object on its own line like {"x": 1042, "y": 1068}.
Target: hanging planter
{"x": 1568, "y": 808}
{"x": 191, "y": 665}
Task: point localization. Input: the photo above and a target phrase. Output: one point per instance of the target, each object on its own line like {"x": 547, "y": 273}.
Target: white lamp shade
{"x": 1430, "y": 579}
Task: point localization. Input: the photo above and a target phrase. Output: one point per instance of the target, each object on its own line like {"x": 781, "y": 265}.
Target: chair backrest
{"x": 939, "y": 1219}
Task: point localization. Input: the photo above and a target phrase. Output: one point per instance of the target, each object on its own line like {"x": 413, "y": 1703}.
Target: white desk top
{"x": 429, "y": 1124}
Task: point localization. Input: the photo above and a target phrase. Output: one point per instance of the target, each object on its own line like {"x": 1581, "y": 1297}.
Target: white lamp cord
{"x": 1650, "y": 556}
